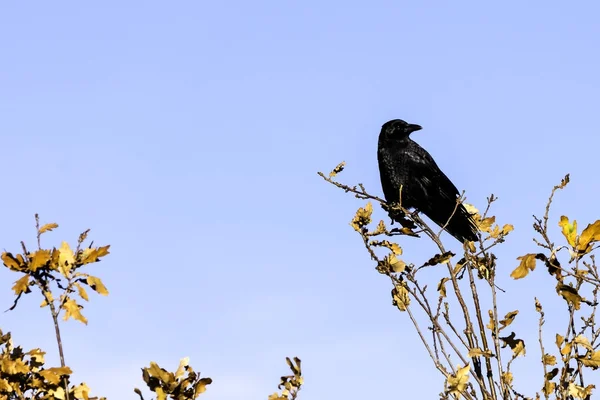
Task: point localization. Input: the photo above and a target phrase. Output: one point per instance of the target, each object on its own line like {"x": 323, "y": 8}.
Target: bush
{"x": 460, "y": 324}
{"x": 58, "y": 274}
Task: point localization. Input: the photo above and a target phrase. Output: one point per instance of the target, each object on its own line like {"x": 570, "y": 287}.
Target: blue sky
{"x": 188, "y": 136}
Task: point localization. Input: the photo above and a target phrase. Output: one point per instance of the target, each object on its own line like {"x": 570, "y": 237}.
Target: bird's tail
{"x": 462, "y": 226}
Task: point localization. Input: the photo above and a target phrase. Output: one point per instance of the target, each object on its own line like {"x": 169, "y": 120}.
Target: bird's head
{"x": 398, "y": 129}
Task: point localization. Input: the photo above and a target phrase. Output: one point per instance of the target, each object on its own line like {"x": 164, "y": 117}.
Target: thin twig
{"x": 488, "y": 362}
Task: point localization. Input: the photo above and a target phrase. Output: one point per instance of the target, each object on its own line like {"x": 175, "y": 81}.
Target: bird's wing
{"x": 430, "y": 176}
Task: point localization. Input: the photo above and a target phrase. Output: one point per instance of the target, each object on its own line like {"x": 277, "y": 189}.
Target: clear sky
{"x": 188, "y": 136}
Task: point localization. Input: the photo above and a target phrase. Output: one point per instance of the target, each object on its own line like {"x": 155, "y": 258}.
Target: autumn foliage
{"x": 460, "y": 324}
{"x": 458, "y": 316}
{"x": 60, "y": 276}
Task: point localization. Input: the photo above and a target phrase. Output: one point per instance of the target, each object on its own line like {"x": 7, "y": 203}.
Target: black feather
{"x": 402, "y": 162}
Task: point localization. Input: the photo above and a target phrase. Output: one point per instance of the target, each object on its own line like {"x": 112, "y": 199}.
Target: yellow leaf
{"x": 443, "y": 258}
{"x": 102, "y": 251}
{"x": 48, "y": 298}
{"x": 6, "y": 387}
{"x": 39, "y": 259}
{"x": 591, "y": 359}
{"x": 66, "y": 260}
{"x": 495, "y": 233}
{"x": 201, "y": 385}
{"x": 589, "y": 235}
{"x": 506, "y": 229}
{"x": 394, "y": 264}
{"x": 442, "y": 287}
{"x": 160, "y": 393}
{"x": 184, "y": 362}
{"x": 566, "y": 349}
{"x": 508, "y": 319}
{"x": 394, "y": 247}
{"x": 37, "y": 355}
{"x": 517, "y": 345}
{"x": 15, "y": 264}
{"x": 549, "y": 359}
{"x": 519, "y": 349}
{"x": 53, "y": 375}
{"x": 527, "y": 264}
{"x": 507, "y": 377}
{"x": 407, "y": 231}
{"x": 400, "y": 297}
{"x": 570, "y": 294}
{"x": 457, "y": 383}
{"x": 362, "y": 217}
{"x": 583, "y": 341}
{"x": 88, "y": 256}
{"x": 81, "y": 391}
{"x": 97, "y": 285}
{"x": 82, "y": 293}
{"x": 92, "y": 255}
{"x": 486, "y": 224}
{"x": 22, "y": 285}
{"x": 470, "y": 208}
{"x": 160, "y": 373}
{"x": 569, "y": 230}
{"x": 380, "y": 228}
{"x": 548, "y": 388}
{"x": 580, "y": 392}
{"x": 54, "y": 263}
{"x": 471, "y": 246}
{"x": 477, "y": 352}
{"x": 48, "y": 227}
{"x": 72, "y": 310}
{"x": 559, "y": 340}
{"x": 57, "y": 394}
{"x": 13, "y": 367}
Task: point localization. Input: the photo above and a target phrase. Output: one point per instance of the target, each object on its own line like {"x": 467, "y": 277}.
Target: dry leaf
{"x": 527, "y": 264}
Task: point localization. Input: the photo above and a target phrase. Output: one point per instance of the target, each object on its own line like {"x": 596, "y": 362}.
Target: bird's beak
{"x": 414, "y": 127}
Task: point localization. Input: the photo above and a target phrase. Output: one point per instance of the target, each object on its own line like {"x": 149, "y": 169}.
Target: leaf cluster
{"x": 47, "y": 271}
{"x": 291, "y": 384}
{"x": 60, "y": 266}
{"x": 23, "y": 375}
{"x": 183, "y": 384}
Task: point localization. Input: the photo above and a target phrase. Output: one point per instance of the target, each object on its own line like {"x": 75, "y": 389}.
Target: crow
{"x": 403, "y": 163}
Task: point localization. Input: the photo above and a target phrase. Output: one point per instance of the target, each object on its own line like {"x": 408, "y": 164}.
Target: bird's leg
{"x": 396, "y": 212}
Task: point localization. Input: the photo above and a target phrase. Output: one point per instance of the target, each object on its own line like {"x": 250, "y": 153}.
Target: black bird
{"x": 402, "y": 162}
